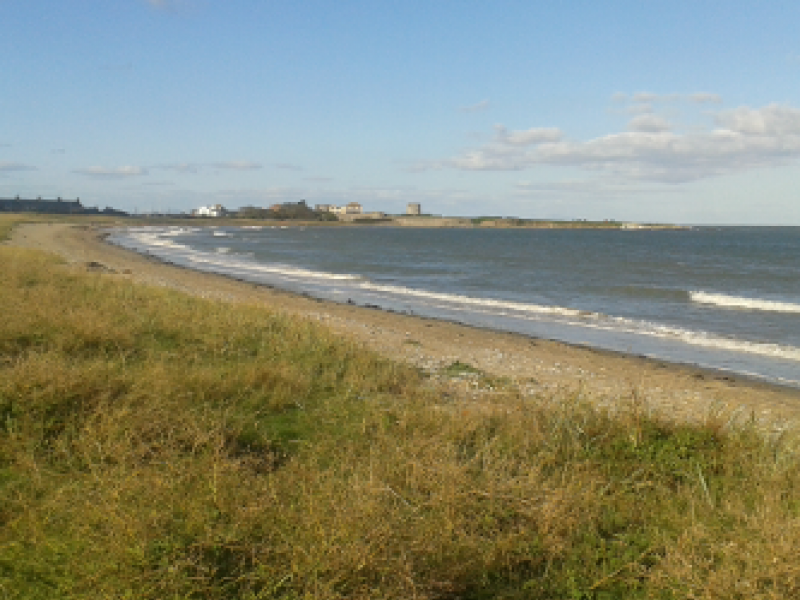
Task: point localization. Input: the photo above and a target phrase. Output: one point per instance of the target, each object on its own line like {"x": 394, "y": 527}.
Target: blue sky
{"x": 683, "y": 112}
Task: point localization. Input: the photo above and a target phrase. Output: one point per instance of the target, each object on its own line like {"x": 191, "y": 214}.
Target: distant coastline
{"x": 509, "y": 223}
{"x": 300, "y": 213}
{"x": 424, "y": 221}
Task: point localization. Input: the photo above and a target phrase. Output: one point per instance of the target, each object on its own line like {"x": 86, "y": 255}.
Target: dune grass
{"x": 155, "y": 445}
{"x": 7, "y": 223}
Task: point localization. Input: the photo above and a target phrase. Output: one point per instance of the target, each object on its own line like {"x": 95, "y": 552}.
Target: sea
{"x": 724, "y": 298}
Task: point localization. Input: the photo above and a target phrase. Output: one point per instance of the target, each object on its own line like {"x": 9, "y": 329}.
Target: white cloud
{"x": 478, "y": 107}
{"x": 651, "y": 98}
{"x": 191, "y": 167}
{"x": 8, "y": 167}
{"x": 746, "y": 138}
{"x": 237, "y": 165}
{"x": 535, "y": 135}
{"x": 113, "y": 172}
{"x": 179, "y": 167}
{"x": 774, "y": 120}
{"x": 647, "y": 97}
{"x": 649, "y": 123}
{"x": 705, "y": 98}
{"x": 639, "y": 109}
{"x": 488, "y": 159}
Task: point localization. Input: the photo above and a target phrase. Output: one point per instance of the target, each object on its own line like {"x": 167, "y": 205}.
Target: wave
{"x": 592, "y": 320}
{"x": 222, "y": 260}
{"x": 479, "y": 302}
{"x": 739, "y": 302}
{"x": 708, "y": 340}
{"x": 223, "y": 264}
{"x": 158, "y": 241}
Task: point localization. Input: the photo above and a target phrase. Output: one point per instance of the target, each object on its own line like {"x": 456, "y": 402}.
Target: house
{"x": 214, "y": 210}
{"x": 352, "y": 208}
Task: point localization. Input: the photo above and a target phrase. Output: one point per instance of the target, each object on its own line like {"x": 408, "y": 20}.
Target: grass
{"x": 155, "y": 445}
{"x": 458, "y": 368}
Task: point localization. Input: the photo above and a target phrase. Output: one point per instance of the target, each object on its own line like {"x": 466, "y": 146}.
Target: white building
{"x": 352, "y": 208}
{"x": 214, "y": 210}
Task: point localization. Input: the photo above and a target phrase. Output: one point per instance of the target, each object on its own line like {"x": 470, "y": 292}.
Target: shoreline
{"x": 535, "y": 365}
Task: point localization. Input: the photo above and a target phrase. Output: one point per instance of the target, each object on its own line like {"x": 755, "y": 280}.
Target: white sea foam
{"x": 478, "y": 302}
{"x": 738, "y": 302}
{"x": 157, "y": 241}
{"x": 592, "y": 320}
{"x": 705, "y": 339}
{"x": 225, "y": 263}
{"x": 176, "y": 231}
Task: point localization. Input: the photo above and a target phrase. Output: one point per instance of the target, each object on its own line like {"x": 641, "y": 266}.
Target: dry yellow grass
{"x": 154, "y": 445}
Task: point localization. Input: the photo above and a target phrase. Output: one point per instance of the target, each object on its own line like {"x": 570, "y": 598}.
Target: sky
{"x": 677, "y": 112}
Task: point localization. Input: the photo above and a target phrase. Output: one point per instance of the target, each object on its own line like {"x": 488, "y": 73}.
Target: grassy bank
{"x": 155, "y": 445}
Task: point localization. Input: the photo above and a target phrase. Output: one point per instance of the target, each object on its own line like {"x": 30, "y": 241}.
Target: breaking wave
{"x": 590, "y": 319}
{"x": 742, "y": 303}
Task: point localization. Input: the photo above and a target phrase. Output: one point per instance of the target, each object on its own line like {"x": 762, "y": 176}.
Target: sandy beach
{"x": 534, "y": 365}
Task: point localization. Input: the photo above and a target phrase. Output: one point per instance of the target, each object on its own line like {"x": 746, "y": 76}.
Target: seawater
{"x": 724, "y": 298}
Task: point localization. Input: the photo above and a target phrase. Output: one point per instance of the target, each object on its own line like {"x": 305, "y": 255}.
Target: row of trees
{"x": 288, "y": 210}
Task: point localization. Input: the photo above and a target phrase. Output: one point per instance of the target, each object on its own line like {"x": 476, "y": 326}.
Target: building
{"x": 59, "y": 206}
{"x": 352, "y": 211}
{"x": 351, "y": 208}
{"x": 214, "y": 210}
{"x": 414, "y": 208}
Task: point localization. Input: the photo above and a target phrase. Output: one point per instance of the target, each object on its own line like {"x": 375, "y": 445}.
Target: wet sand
{"x": 534, "y": 365}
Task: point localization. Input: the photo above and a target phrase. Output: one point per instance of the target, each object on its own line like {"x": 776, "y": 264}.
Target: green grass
{"x": 155, "y": 445}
